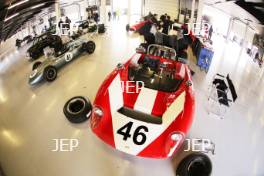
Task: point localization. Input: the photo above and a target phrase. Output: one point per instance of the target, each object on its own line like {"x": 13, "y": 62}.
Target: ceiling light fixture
{"x": 37, "y": 6}
{"x": 10, "y": 17}
{"x": 17, "y": 4}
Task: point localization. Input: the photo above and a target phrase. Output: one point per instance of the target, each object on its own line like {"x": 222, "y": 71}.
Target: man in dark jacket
{"x": 109, "y": 16}
{"x": 60, "y": 23}
{"x": 166, "y": 25}
{"x": 210, "y": 32}
{"x": 68, "y": 21}
{"x": 96, "y": 18}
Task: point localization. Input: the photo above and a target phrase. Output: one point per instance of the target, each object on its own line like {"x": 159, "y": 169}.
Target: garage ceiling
{"x": 14, "y": 13}
{"x": 253, "y": 7}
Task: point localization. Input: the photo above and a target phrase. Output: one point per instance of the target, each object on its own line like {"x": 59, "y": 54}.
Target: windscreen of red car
{"x": 154, "y": 74}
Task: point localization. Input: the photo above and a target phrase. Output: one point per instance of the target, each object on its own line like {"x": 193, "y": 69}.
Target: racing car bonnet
{"x": 145, "y": 107}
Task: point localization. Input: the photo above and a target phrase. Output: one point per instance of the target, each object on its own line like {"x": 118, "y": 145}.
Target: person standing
{"x": 68, "y": 22}
{"x": 210, "y": 32}
{"x": 60, "y": 23}
{"x": 117, "y": 14}
{"x": 114, "y": 15}
{"x": 166, "y": 26}
{"x": 61, "y": 26}
{"x": 162, "y": 18}
{"x": 109, "y": 16}
{"x": 50, "y": 22}
{"x": 96, "y": 18}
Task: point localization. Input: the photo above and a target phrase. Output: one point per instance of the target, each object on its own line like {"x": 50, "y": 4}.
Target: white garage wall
{"x": 239, "y": 28}
{"x": 72, "y": 12}
{"x": 219, "y": 19}
{"x": 162, "y": 6}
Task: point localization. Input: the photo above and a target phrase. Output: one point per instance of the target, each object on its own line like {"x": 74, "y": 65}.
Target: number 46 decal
{"x": 139, "y": 137}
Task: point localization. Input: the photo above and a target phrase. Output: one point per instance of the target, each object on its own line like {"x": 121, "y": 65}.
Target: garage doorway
{"x": 136, "y": 10}
{"x": 122, "y": 11}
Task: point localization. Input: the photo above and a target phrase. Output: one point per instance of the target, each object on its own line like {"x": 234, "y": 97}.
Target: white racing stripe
{"x": 135, "y": 58}
{"x": 146, "y": 100}
{"x": 144, "y": 103}
{"x": 174, "y": 110}
{"x": 182, "y": 71}
{"x": 115, "y": 94}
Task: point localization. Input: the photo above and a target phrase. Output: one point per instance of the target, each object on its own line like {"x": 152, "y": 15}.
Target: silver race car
{"x": 47, "y": 70}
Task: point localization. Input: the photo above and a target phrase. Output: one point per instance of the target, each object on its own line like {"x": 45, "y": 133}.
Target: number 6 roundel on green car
{"x": 145, "y": 107}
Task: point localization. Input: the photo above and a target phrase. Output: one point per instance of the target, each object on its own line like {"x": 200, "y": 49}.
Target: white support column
{"x": 79, "y": 10}
{"x": 129, "y": 12}
{"x": 179, "y": 9}
{"x": 229, "y": 30}
{"x": 57, "y": 11}
{"x": 112, "y": 6}
{"x": 58, "y": 15}
{"x": 192, "y": 14}
{"x": 242, "y": 47}
{"x": 85, "y": 16}
{"x": 200, "y": 11}
{"x": 103, "y": 11}
{"x": 143, "y": 8}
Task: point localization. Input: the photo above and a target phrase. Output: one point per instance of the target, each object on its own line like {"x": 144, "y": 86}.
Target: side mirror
{"x": 141, "y": 50}
{"x": 120, "y": 66}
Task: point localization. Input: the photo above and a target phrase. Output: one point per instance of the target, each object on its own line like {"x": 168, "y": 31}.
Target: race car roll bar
{"x": 160, "y": 50}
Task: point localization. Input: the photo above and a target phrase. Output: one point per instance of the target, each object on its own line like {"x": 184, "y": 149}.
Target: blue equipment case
{"x": 205, "y": 58}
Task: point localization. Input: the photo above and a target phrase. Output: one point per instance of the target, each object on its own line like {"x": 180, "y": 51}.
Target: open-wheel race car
{"x": 47, "y": 70}
{"x": 27, "y": 39}
{"x": 136, "y": 27}
{"x": 41, "y": 42}
{"x": 144, "y": 107}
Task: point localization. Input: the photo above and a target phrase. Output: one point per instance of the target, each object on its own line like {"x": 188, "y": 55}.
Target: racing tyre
{"x": 36, "y": 65}
{"x": 101, "y": 28}
{"x": 195, "y": 164}
{"x": 89, "y": 47}
{"x": 50, "y": 73}
{"x": 77, "y": 109}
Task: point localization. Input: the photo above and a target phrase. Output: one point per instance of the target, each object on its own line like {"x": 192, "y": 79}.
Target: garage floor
{"x": 30, "y": 118}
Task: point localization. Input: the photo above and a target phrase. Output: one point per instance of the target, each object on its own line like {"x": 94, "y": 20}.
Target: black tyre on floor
{"x": 101, "y": 29}
{"x": 50, "y": 73}
{"x": 77, "y": 109}
{"x": 36, "y": 65}
{"x": 195, "y": 164}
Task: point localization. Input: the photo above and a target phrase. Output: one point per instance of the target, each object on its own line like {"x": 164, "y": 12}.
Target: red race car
{"x": 144, "y": 107}
{"x": 137, "y": 26}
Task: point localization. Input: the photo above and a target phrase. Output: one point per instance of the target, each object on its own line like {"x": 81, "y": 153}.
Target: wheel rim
{"x": 75, "y": 106}
{"x": 85, "y": 47}
{"x": 91, "y": 47}
{"x": 51, "y": 73}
